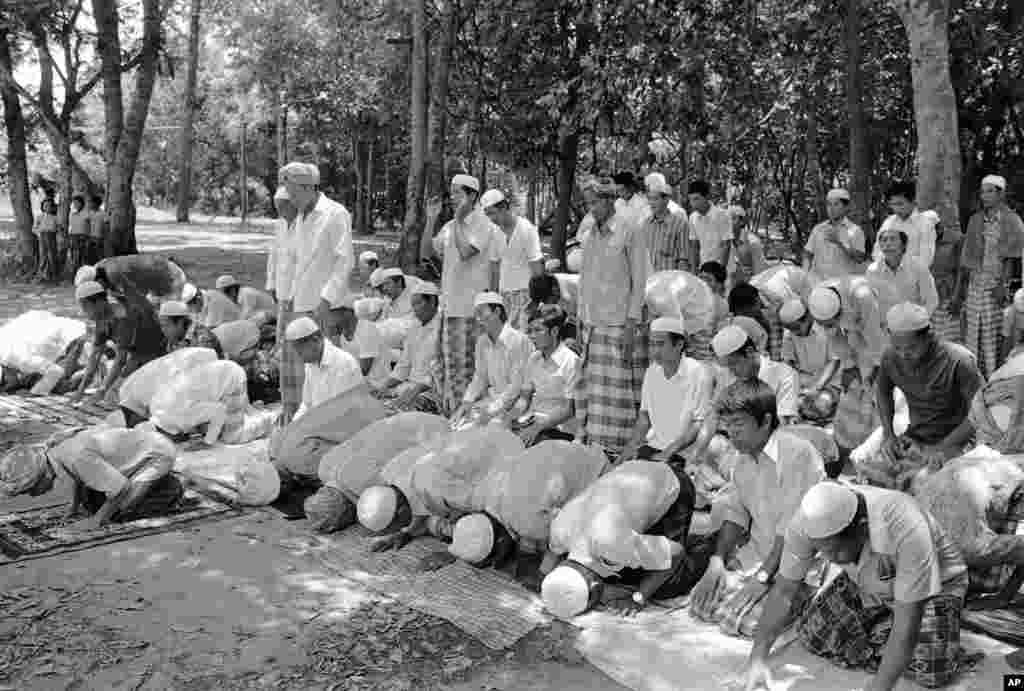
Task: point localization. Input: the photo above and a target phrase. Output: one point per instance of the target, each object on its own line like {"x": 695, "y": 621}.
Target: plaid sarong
{"x": 292, "y": 371}
{"x": 1010, "y": 528}
{"x": 428, "y": 401}
{"x": 984, "y": 323}
{"x": 837, "y": 626}
{"x": 607, "y": 394}
{"x": 698, "y": 346}
{"x": 515, "y": 305}
{"x": 458, "y": 351}
{"x": 775, "y": 331}
{"x": 946, "y": 325}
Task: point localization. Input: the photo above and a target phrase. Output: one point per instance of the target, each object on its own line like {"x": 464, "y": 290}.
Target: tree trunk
{"x": 860, "y": 144}
{"x": 938, "y": 136}
{"x": 359, "y": 205}
{"x": 188, "y": 117}
{"x": 368, "y": 212}
{"x": 439, "y": 100}
{"x": 567, "y": 152}
{"x": 17, "y": 159}
{"x": 409, "y": 252}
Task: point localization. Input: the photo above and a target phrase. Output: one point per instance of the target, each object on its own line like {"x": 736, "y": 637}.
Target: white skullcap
{"x": 88, "y": 289}
{"x": 377, "y": 508}
{"x": 426, "y": 288}
{"x": 565, "y": 592}
{"x": 327, "y": 509}
{"x": 826, "y": 509}
{"x": 390, "y": 272}
{"x": 376, "y": 277}
{"x": 907, "y": 316}
{"x": 85, "y": 273}
{"x": 472, "y": 538}
{"x": 258, "y": 483}
{"x": 754, "y": 330}
{"x": 1018, "y": 300}
{"x": 189, "y": 293}
{"x": 574, "y": 260}
{"x": 299, "y": 174}
{"x": 488, "y": 297}
{"x": 226, "y": 281}
{"x": 368, "y": 256}
{"x": 997, "y": 181}
{"x": 173, "y": 308}
{"x": 792, "y": 311}
{"x": 491, "y": 197}
{"x": 838, "y": 194}
{"x": 824, "y": 303}
{"x": 466, "y": 181}
{"x": 668, "y": 325}
{"x": 303, "y": 327}
{"x": 282, "y": 194}
{"x": 728, "y": 340}
{"x": 656, "y": 182}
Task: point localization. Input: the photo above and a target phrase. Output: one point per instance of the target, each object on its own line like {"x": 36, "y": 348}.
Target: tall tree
{"x": 188, "y": 115}
{"x": 414, "y": 212}
{"x": 17, "y": 160}
{"x": 860, "y": 143}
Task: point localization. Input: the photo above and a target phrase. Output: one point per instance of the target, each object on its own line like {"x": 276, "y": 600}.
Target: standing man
{"x": 835, "y": 248}
{"x": 469, "y": 249}
{"x": 97, "y": 229}
{"x": 897, "y": 277}
{"x": 667, "y": 234}
{"x": 521, "y": 258}
{"x": 712, "y": 225}
{"x": 920, "y": 228}
{"x": 611, "y": 299}
{"x": 313, "y": 266}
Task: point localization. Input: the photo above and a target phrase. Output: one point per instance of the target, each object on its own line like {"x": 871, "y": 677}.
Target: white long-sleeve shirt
{"x": 920, "y": 232}
{"x": 322, "y": 241}
{"x": 336, "y": 373}
{"x": 281, "y": 260}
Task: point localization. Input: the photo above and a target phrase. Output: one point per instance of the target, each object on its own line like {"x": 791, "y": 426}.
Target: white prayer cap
{"x": 88, "y": 289}
{"x": 656, "y": 182}
{"x": 426, "y": 288}
{"x": 567, "y": 592}
{"x": 907, "y": 316}
{"x": 574, "y": 260}
{"x": 469, "y": 181}
{"x": 824, "y": 303}
{"x": 838, "y": 194}
{"x": 997, "y": 181}
{"x": 488, "y": 297}
{"x": 173, "y": 308}
{"x": 226, "y": 281}
{"x": 1018, "y": 300}
{"x": 377, "y": 508}
{"x": 367, "y": 257}
{"x": 668, "y": 325}
{"x": 754, "y": 330}
{"x": 258, "y": 483}
{"x": 491, "y": 197}
{"x": 282, "y": 194}
{"x": 189, "y": 293}
{"x": 300, "y": 328}
{"x": 376, "y": 277}
{"x": 299, "y": 174}
{"x": 85, "y": 273}
{"x": 472, "y": 538}
{"x": 329, "y": 510}
{"x": 728, "y": 340}
{"x": 792, "y": 311}
{"x": 390, "y": 272}
{"x": 826, "y": 509}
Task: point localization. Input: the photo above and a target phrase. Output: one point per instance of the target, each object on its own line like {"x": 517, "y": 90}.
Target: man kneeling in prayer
{"x": 773, "y": 472}
{"x": 118, "y": 474}
{"x": 895, "y": 609}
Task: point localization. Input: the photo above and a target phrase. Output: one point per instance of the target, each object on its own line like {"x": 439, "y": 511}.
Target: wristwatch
{"x": 763, "y": 577}
{"x": 639, "y": 598}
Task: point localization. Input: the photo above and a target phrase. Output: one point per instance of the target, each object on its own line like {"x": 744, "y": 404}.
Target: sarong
{"x": 458, "y": 350}
{"x": 775, "y": 332}
{"x": 984, "y": 323}
{"x": 292, "y": 371}
{"x": 698, "y": 346}
{"x": 946, "y": 325}
{"x": 515, "y": 306}
{"x": 607, "y": 394}
{"x": 1010, "y": 529}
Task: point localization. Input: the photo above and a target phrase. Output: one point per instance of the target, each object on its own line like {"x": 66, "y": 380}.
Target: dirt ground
{"x": 234, "y": 604}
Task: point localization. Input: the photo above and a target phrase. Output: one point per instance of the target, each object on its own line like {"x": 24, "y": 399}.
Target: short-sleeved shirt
{"x": 135, "y": 328}
{"x": 780, "y": 378}
{"x": 668, "y": 241}
{"x": 711, "y": 230}
{"x": 668, "y": 401}
{"x": 859, "y": 340}
{"x": 920, "y": 232}
{"x": 909, "y": 282}
{"x": 97, "y": 224}
{"x": 908, "y": 557}
{"x": 517, "y": 250}
{"x": 420, "y": 360}
{"x": 462, "y": 279}
{"x": 336, "y": 373}
{"x": 613, "y": 278}
{"x": 939, "y": 389}
{"x": 367, "y": 343}
{"x": 551, "y": 379}
{"x": 807, "y": 354}
{"x": 830, "y": 260}
{"x": 105, "y": 458}
{"x": 78, "y": 223}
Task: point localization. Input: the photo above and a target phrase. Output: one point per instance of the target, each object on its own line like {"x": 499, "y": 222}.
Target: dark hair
{"x": 97, "y": 200}
{"x": 503, "y": 205}
{"x": 700, "y": 187}
{"x": 504, "y": 548}
{"x": 430, "y": 298}
{"x": 552, "y": 316}
{"x": 400, "y": 279}
{"x": 500, "y": 309}
{"x": 470, "y": 190}
{"x": 744, "y": 296}
{"x": 544, "y": 288}
{"x": 906, "y": 189}
{"x": 715, "y": 269}
{"x": 753, "y": 398}
{"x": 626, "y": 179}
{"x": 78, "y": 198}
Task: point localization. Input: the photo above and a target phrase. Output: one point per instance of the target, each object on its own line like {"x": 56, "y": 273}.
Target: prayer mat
{"x": 40, "y": 532}
{"x": 1005, "y": 625}
{"x": 56, "y": 410}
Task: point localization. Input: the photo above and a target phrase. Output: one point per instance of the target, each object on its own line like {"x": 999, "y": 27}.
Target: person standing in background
{"x": 711, "y": 225}
{"x": 667, "y": 233}
{"x": 521, "y": 257}
{"x": 78, "y": 233}
{"x": 97, "y": 229}
{"x": 835, "y": 248}
{"x": 45, "y": 229}
{"x": 946, "y": 324}
{"x": 920, "y": 228}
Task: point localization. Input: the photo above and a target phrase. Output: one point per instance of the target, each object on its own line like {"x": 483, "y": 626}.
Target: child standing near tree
{"x": 45, "y": 230}
{"x": 78, "y": 232}
{"x": 97, "y": 229}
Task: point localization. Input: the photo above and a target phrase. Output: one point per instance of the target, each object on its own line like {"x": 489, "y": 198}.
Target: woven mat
{"x": 1002, "y": 624}
{"x": 39, "y": 532}
{"x": 56, "y": 410}
{"x": 486, "y": 604}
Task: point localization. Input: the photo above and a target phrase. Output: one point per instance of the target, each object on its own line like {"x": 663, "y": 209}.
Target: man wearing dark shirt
{"x": 130, "y": 324}
{"x": 939, "y": 380}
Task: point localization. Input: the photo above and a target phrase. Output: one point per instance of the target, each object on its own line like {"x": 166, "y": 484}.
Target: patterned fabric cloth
{"x": 293, "y": 372}
{"x": 79, "y": 251}
{"x": 946, "y": 325}
{"x": 458, "y": 351}
{"x": 698, "y": 346}
{"x": 775, "y": 331}
{"x": 734, "y": 620}
{"x": 607, "y": 395}
{"x": 837, "y": 626}
{"x": 668, "y": 242}
{"x": 515, "y": 305}
{"x": 428, "y": 401}
{"x": 1009, "y": 525}
{"x": 984, "y": 315}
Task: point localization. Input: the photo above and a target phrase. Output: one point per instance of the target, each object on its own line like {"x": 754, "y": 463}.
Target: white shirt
{"x": 323, "y": 256}
{"x": 462, "y": 279}
{"x": 669, "y": 402}
{"x": 780, "y": 378}
{"x": 551, "y": 380}
{"x": 517, "y": 250}
{"x": 420, "y": 362}
{"x": 253, "y": 301}
{"x": 500, "y": 367}
{"x": 336, "y": 373}
{"x": 920, "y": 236}
{"x": 807, "y": 354}
{"x": 401, "y": 306}
{"x": 367, "y": 343}
{"x": 281, "y": 260}
{"x": 711, "y": 230}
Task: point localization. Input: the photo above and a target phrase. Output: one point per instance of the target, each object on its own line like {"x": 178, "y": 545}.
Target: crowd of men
{"x": 678, "y": 456}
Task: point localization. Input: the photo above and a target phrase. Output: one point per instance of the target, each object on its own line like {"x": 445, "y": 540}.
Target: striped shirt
{"x": 668, "y": 241}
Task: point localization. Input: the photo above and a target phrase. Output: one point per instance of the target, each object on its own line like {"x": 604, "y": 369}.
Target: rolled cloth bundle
{"x": 681, "y": 294}
{"x": 993, "y": 405}
{"x": 142, "y": 385}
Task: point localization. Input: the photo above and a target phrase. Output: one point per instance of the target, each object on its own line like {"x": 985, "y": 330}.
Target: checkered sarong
{"x": 607, "y": 394}
{"x": 837, "y": 626}
{"x": 515, "y": 305}
{"x": 775, "y": 332}
{"x": 1009, "y": 527}
{"x": 292, "y": 371}
{"x": 698, "y": 346}
{"x": 428, "y": 401}
{"x": 458, "y": 351}
{"x": 947, "y": 326}
{"x": 984, "y": 327}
